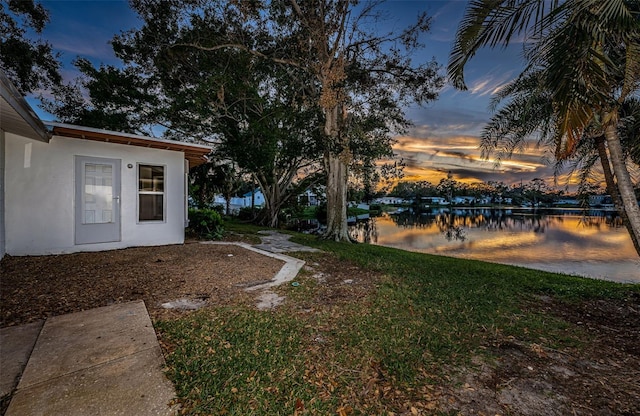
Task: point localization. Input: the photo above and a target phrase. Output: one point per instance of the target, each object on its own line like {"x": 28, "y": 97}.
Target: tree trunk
{"x": 624, "y": 184}
{"x": 612, "y": 189}
{"x": 272, "y": 202}
{"x": 272, "y": 205}
{"x": 608, "y": 176}
{"x": 337, "y": 168}
{"x": 337, "y": 228}
{"x": 253, "y": 195}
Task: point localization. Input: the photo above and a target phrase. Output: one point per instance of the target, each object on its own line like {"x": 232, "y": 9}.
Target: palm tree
{"x": 583, "y": 61}
{"x": 529, "y": 113}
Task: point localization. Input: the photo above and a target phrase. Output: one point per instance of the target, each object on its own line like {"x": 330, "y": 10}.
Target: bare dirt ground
{"x": 37, "y": 287}
{"x": 602, "y": 378}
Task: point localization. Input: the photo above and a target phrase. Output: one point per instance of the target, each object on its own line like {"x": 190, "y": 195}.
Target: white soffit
{"x": 16, "y": 115}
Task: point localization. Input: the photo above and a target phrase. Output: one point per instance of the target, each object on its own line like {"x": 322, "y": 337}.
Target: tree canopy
{"x": 29, "y": 63}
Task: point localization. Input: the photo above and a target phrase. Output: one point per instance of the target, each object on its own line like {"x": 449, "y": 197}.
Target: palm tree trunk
{"x": 608, "y": 175}
{"x": 624, "y": 184}
{"x": 613, "y": 190}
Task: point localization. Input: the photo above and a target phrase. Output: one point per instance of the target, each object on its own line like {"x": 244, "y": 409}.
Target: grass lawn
{"x": 387, "y": 333}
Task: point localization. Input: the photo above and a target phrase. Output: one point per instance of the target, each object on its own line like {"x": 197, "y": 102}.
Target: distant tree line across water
{"x": 533, "y": 193}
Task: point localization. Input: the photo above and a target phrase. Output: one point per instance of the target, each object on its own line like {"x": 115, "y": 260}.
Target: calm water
{"x": 564, "y": 241}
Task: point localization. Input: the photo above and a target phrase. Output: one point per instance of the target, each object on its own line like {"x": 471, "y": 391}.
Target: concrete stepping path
{"x": 103, "y": 361}
{"x": 288, "y": 272}
{"x": 276, "y": 242}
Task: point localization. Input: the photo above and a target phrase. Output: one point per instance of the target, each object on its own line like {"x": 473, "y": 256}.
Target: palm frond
{"x": 494, "y": 23}
{"x": 524, "y": 118}
{"x": 631, "y": 80}
{"x": 629, "y": 128}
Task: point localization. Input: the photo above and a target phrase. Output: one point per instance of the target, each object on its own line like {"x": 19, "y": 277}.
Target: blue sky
{"x": 445, "y": 136}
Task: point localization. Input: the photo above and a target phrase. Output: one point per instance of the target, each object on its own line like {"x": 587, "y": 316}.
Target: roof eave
{"x": 13, "y": 97}
{"x": 194, "y": 153}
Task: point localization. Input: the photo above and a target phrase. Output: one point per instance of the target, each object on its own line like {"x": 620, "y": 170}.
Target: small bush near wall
{"x": 321, "y": 212}
{"x": 218, "y": 208}
{"x": 248, "y": 213}
{"x": 206, "y": 223}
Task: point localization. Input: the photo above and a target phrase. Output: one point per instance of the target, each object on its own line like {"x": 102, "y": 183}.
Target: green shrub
{"x": 248, "y": 213}
{"x": 321, "y": 212}
{"x": 206, "y": 223}
{"x": 218, "y": 208}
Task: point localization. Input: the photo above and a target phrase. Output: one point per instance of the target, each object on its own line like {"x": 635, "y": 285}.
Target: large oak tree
{"x": 340, "y": 59}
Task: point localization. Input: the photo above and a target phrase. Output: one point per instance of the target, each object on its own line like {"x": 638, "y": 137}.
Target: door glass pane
{"x": 98, "y": 193}
{"x": 151, "y": 207}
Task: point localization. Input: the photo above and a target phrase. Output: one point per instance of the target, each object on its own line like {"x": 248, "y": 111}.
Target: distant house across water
{"x": 600, "y": 201}
{"x": 310, "y": 198}
{"x": 392, "y": 200}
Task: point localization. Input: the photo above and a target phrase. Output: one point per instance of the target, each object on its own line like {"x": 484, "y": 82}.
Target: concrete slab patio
{"x": 103, "y": 361}
{"x": 16, "y": 344}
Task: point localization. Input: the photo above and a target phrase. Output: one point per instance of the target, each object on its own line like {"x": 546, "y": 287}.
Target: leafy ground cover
{"x": 372, "y": 330}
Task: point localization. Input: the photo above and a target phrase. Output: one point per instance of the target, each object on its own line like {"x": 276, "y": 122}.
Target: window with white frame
{"x": 150, "y": 193}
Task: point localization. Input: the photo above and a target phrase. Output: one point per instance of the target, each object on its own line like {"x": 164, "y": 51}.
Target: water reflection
{"x": 452, "y": 223}
{"x": 567, "y": 241}
{"x": 365, "y": 231}
{"x": 449, "y": 227}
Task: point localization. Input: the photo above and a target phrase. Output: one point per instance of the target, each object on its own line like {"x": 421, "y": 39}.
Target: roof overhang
{"x": 194, "y": 153}
{"x": 16, "y": 115}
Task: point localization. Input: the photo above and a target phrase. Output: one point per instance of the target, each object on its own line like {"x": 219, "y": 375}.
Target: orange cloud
{"x": 434, "y": 158}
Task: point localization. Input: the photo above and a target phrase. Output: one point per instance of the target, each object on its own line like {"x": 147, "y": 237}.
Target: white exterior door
{"x": 97, "y": 200}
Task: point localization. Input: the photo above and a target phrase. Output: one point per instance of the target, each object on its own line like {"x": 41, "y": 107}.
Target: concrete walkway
{"x": 276, "y": 242}
{"x": 288, "y": 272}
{"x": 103, "y": 361}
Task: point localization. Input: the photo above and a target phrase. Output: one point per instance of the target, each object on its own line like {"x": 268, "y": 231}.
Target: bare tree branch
{"x": 240, "y": 47}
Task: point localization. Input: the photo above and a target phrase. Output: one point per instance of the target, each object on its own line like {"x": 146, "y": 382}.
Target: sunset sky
{"x": 445, "y": 133}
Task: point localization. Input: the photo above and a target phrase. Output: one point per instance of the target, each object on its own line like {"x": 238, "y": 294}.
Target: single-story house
{"x": 567, "y": 201}
{"x": 434, "y": 200}
{"x": 600, "y": 200}
{"x": 311, "y": 198}
{"x": 66, "y": 188}
{"x": 238, "y": 202}
{"x": 256, "y": 196}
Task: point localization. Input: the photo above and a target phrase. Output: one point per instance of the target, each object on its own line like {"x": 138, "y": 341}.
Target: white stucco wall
{"x": 2, "y": 233}
{"x": 39, "y": 208}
